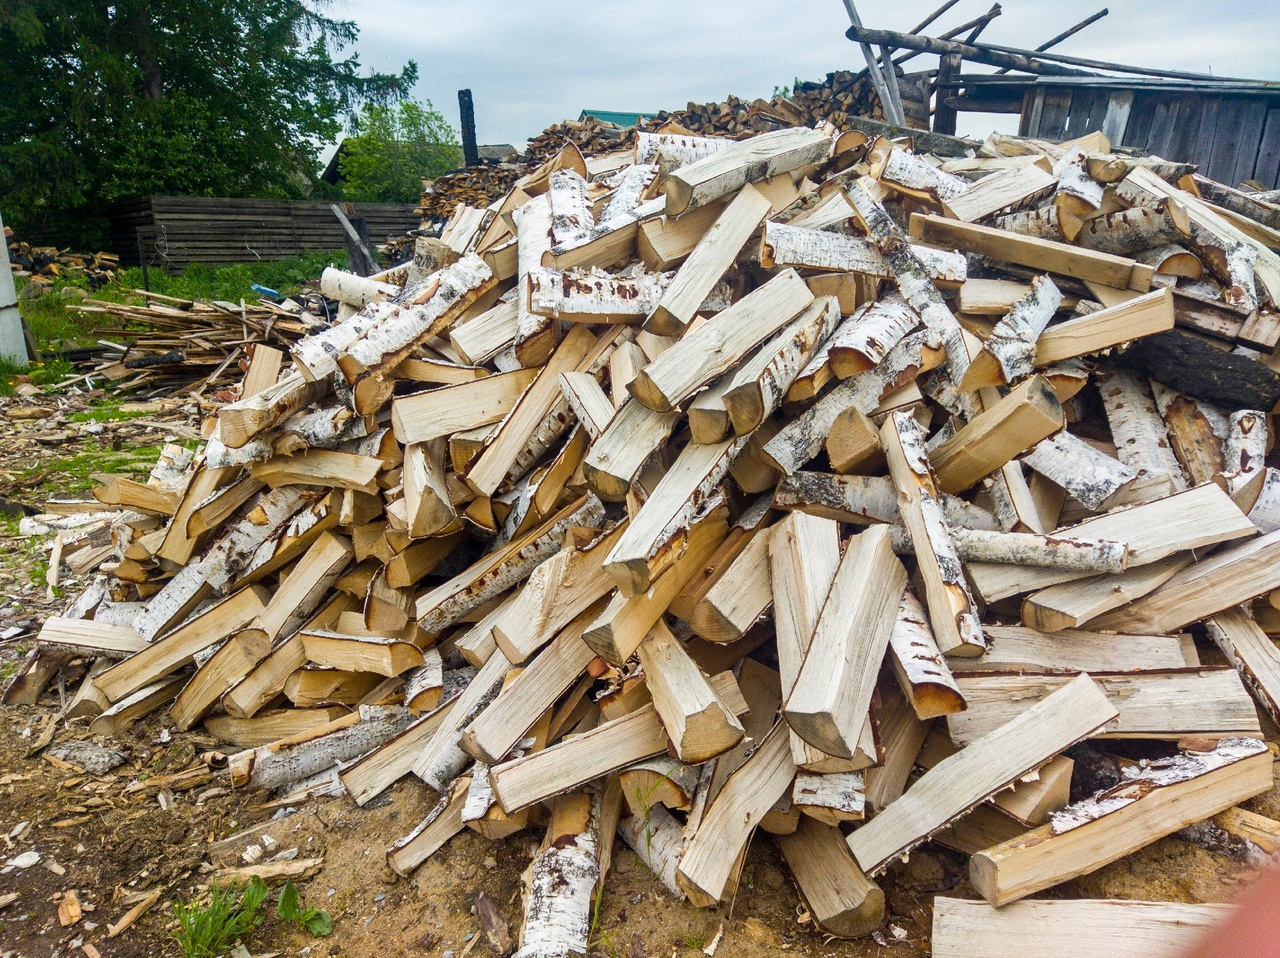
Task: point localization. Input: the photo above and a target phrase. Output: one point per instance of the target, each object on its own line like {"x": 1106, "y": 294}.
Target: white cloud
{"x": 533, "y": 63}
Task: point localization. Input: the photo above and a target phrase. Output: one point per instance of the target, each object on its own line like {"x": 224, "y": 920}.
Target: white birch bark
{"x": 1074, "y": 182}
{"x": 1231, "y": 261}
{"x": 805, "y": 248}
{"x": 571, "y": 216}
{"x": 244, "y": 419}
{"x": 594, "y": 295}
{"x": 274, "y": 766}
{"x": 357, "y": 291}
{"x": 840, "y": 795}
{"x": 918, "y": 663}
{"x": 1265, "y": 513}
{"x": 561, "y": 880}
{"x": 1141, "y": 440}
{"x": 801, "y": 439}
{"x": 1089, "y": 476}
{"x": 1041, "y": 223}
{"x": 861, "y": 499}
{"x": 534, "y": 238}
{"x": 1244, "y": 453}
{"x": 631, "y": 186}
{"x": 1045, "y": 552}
{"x": 658, "y": 841}
{"x": 1130, "y": 231}
{"x": 873, "y": 330}
{"x": 672, "y": 151}
{"x": 903, "y": 168}
{"x": 1012, "y": 343}
{"x": 317, "y": 355}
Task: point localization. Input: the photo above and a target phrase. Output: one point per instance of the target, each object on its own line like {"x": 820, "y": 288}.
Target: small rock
{"x": 94, "y": 759}
{"x": 381, "y": 896}
{"x": 448, "y": 953}
{"x": 490, "y": 862}
{"x": 25, "y": 860}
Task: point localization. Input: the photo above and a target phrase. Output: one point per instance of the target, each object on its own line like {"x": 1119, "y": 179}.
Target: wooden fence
{"x": 178, "y": 230}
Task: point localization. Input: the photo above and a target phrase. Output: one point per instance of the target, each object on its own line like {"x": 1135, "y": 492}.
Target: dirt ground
{"x": 111, "y": 846}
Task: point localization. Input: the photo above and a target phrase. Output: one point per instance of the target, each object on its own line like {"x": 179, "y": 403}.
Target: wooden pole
{"x": 13, "y": 344}
{"x": 873, "y": 69}
{"x": 1069, "y": 32}
{"x": 467, "y": 115}
{"x": 944, "y": 117}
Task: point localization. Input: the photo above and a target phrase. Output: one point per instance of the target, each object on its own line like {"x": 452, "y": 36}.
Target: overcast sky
{"x": 536, "y": 62}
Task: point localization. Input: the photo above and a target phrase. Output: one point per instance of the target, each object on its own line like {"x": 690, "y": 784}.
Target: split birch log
{"x": 974, "y": 774}
{"x": 1137, "y": 430}
{"x": 441, "y": 824}
{"x": 1244, "y": 455}
{"x": 367, "y": 364}
{"x": 570, "y": 208}
{"x": 804, "y": 248}
{"x": 908, "y": 174}
{"x": 1252, "y": 653}
{"x": 1228, "y": 577}
{"x": 1039, "y": 223}
{"x": 841, "y": 899}
{"x": 802, "y": 438}
{"x": 863, "y": 500}
{"x": 919, "y": 667}
{"x": 632, "y": 186}
{"x": 315, "y": 357}
{"x": 1089, "y": 476}
{"x": 831, "y": 797}
{"x": 535, "y": 335}
{"x": 1002, "y": 191}
{"x": 698, "y": 723}
{"x": 480, "y": 339}
{"x": 865, "y": 339}
{"x": 1131, "y": 231}
{"x": 616, "y": 458}
{"x": 441, "y": 758}
{"x": 1069, "y": 929}
{"x": 729, "y": 169}
{"x": 1029, "y": 413}
{"x": 561, "y": 879}
{"x": 354, "y": 290}
{"x": 672, "y": 150}
{"x": 441, "y": 412}
{"x": 238, "y": 422}
{"x": 708, "y": 262}
{"x": 1008, "y": 353}
{"x": 1153, "y": 800}
{"x": 757, "y": 388}
{"x": 591, "y": 407}
{"x": 89, "y": 636}
{"x": 1045, "y": 552}
{"x": 1025, "y": 649}
{"x": 658, "y": 841}
{"x": 829, "y": 702}
{"x": 658, "y": 534}
{"x": 956, "y": 623}
{"x": 595, "y": 296}
{"x": 710, "y": 856}
{"x": 716, "y": 346}
{"x": 1196, "y": 431}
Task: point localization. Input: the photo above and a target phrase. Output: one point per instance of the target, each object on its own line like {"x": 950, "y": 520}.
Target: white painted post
{"x": 13, "y": 345}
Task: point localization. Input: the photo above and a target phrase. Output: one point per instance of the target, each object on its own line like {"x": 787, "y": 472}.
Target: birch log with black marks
{"x": 921, "y": 670}
{"x": 535, "y": 334}
{"x": 1252, "y": 653}
{"x": 956, "y": 623}
{"x": 1089, "y": 476}
{"x": 1008, "y": 353}
{"x": 1139, "y": 434}
{"x": 1044, "y": 552}
{"x": 865, "y": 339}
{"x": 594, "y": 296}
{"x": 1244, "y": 454}
{"x": 561, "y": 879}
{"x": 800, "y": 247}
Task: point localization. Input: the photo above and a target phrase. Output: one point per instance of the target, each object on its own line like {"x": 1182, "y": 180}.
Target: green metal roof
{"x": 614, "y": 116}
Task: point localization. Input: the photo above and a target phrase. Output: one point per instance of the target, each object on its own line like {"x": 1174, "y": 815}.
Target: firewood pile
{"x": 44, "y": 264}
{"x": 800, "y": 486}
{"x": 840, "y": 95}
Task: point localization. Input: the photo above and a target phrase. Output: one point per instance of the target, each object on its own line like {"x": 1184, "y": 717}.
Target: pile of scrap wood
{"x": 800, "y": 484}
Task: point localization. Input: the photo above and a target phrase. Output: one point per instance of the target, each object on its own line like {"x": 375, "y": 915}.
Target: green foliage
{"x": 393, "y": 148}
{"x": 210, "y": 929}
{"x": 108, "y": 100}
{"x": 314, "y": 920}
{"x": 787, "y": 91}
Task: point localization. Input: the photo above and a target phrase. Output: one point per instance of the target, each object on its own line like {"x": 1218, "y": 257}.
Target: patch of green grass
{"x": 206, "y": 930}
{"x": 694, "y": 941}
{"x": 314, "y": 920}
{"x": 108, "y": 411}
{"x": 74, "y": 474}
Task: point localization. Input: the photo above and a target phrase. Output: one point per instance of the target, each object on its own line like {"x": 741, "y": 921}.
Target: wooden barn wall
{"x": 1232, "y": 138}
{"x": 179, "y": 230}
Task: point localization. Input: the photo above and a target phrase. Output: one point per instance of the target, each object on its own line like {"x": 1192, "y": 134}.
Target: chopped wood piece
{"x": 1090, "y": 476}
{"x": 1021, "y": 649}
{"x": 1153, "y": 800}
{"x": 794, "y": 246}
{"x": 1141, "y": 441}
{"x": 562, "y": 877}
{"x": 1009, "y": 352}
{"x": 449, "y": 409}
{"x": 441, "y": 824}
{"x": 1150, "y": 704}
{"x": 1068, "y": 929}
{"x": 1046, "y": 552}
{"x": 699, "y": 725}
{"x": 921, "y": 670}
{"x": 1132, "y": 320}
{"x": 1251, "y": 653}
{"x": 956, "y": 624}
{"x": 828, "y": 704}
{"x": 747, "y": 161}
{"x": 842, "y": 900}
{"x": 969, "y": 777}
{"x": 1002, "y": 190}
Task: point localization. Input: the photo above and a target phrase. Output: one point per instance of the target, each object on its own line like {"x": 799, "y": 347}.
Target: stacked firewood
{"x": 801, "y": 484}
{"x": 839, "y": 96}
{"x": 44, "y": 264}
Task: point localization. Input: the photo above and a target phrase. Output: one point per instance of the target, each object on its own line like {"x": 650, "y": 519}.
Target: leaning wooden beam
{"x": 657, "y": 535}
{"x": 1252, "y": 653}
{"x": 828, "y": 704}
{"x": 1090, "y": 476}
{"x": 698, "y": 723}
{"x": 1152, "y": 800}
{"x": 1029, "y": 413}
{"x": 747, "y": 161}
{"x": 921, "y": 671}
{"x": 708, "y": 262}
{"x": 1184, "y": 703}
{"x": 720, "y": 343}
{"x": 710, "y": 857}
{"x": 1226, "y": 578}
{"x": 841, "y": 899}
{"x": 1189, "y": 520}
{"x": 1033, "y": 252}
{"x": 1069, "y": 929}
{"x": 495, "y": 573}
{"x": 971, "y": 776}
{"x": 956, "y": 623}
{"x": 1009, "y": 351}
